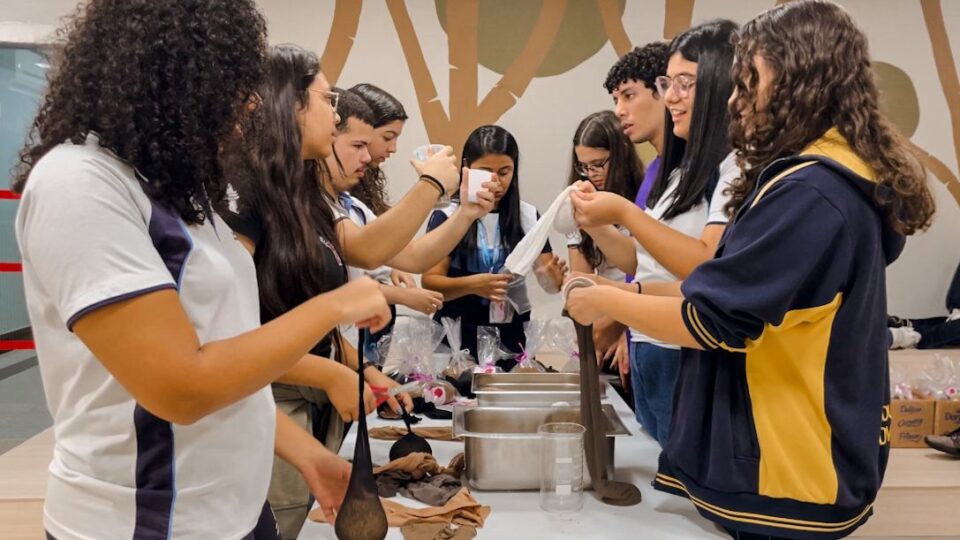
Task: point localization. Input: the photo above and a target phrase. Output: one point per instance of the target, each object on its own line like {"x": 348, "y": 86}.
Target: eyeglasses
{"x": 332, "y": 97}
{"x": 681, "y": 84}
{"x": 589, "y": 169}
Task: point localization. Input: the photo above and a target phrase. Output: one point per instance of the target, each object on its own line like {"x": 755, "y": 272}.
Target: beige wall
{"x": 545, "y": 116}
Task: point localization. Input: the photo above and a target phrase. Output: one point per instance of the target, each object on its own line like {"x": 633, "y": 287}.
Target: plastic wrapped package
{"x": 563, "y": 338}
{"x": 416, "y": 344}
{"x": 460, "y": 360}
{"x": 526, "y": 360}
{"x": 938, "y": 381}
{"x": 488, "y": 350}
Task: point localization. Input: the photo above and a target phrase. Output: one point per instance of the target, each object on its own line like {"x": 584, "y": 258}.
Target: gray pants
{"x": 289, "y": 495}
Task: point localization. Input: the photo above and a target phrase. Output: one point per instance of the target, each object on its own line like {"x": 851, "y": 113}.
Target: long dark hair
{"x": 485, "y": 141}
{"x": 164, "y": 101}
{"x": 296, "y": 212}
{"x": 822, "y": 79}
{"x": 698, "y": 158}
{"x": 372, "y": 189}
{"x": 624, "y": 169}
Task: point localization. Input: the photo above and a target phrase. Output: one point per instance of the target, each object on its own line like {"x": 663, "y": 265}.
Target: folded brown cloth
{"x": 419, "y": 477}
{"x": 435, "y": 491}
{"x": 392, "y": 433}
{"x": 437, "y": 531}
{"x": 389, "y": 483}
{"x": 462, "y": 509}
{"x": 420, "y": 464}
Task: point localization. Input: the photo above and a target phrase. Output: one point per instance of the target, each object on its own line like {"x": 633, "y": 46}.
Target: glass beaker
{"x": 561, "y": 467}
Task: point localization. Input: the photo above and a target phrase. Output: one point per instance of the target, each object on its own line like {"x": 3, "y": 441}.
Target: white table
{"x": 518, "y": 514}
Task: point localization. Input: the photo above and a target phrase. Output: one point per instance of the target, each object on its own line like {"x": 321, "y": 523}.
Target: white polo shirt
{"x": 691, "y": 223}
{"x": 90, "y": 236}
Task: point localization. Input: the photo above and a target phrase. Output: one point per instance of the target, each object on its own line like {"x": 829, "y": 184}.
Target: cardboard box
{"x": 947, "y": 417}
{"x": 910, "y": 421}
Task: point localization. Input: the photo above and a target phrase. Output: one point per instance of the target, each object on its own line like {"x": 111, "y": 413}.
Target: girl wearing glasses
{"x": 685, "y": 217}
{"x": 302, "y": 244}
{"x": 603, "y": 155}
{"x": 469, "y": 277}
{"x": 782, "y": 419}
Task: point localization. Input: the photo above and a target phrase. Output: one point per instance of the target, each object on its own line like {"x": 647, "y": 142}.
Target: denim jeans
{"x": 653, "y": 371}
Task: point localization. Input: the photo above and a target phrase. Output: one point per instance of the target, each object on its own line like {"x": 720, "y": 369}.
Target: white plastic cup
{"x": 424, "y": 153}
{"x": 476, "y": 178}
{"x": 561, "y": 467}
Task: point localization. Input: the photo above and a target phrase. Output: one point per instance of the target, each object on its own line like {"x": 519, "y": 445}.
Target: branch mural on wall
{"x": 947, "y": 72}
{"x": 555, "y": 36}
{"x": 467, "y": 111}
{"x": 343, "y": 31}
{"x": 677, "y": 17}
{"x": 613, "y": 26}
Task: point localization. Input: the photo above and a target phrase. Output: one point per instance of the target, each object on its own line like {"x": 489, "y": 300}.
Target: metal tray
{"x": 528, "y": 389}
{"x": 502, "y": 447}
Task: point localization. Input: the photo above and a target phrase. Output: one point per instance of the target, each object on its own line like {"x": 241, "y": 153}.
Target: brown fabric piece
{"x": 419, "y": 477}
{"x": 462, "y": 509}
{"x": 392, "y": 433}
{"x": 435, "y": 491}
{"x": 390, "y": 482}
{"x": 419, "y": 465}
{"x": 437, "y": 531}
{"x": 457, "y": 465}
{"x": 595, "y": 439}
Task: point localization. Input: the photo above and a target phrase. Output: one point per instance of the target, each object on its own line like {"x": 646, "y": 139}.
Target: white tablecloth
{"x": 517, "y": 514}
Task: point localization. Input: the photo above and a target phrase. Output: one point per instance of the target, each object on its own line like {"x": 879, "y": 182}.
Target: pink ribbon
{"x": 423, "y": 377}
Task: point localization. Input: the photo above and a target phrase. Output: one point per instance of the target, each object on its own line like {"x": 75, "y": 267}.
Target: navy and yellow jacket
{"x": 781, "y": 422}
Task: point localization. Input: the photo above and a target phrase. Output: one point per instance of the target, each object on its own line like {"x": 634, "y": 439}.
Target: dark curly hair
{"x": 642, "y": 64}
{"x": 624, "y": 169}
{"x": 822, "y": 79}
{"x": 372, "y": 189}
{"x": 162, "y": 83}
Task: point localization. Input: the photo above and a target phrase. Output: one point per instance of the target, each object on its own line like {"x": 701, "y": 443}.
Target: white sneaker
{"x": 904, "y": 337}
{"x": 954, "y": 315}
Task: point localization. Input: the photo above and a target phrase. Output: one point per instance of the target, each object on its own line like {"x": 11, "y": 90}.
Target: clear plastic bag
{"x": 460, "y": 360}
{"x": 563, "y": 338}
{"x": 941, "y": 380}
{"x": 416, "y": 344}
{"x": 517, "y": 295}
{"x": 526, "y": 360}
{"x": 900, "y": 386}
{"x": 488, "y": 350}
